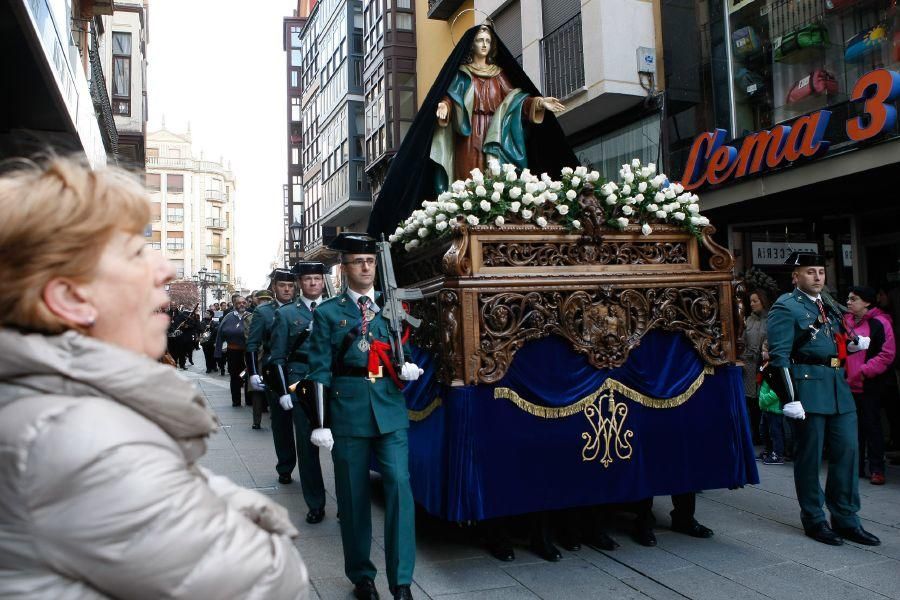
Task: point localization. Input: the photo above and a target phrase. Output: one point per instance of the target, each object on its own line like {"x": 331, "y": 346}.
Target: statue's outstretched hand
{"x": 443, "y": 111}
{"x": 552, "y": 104}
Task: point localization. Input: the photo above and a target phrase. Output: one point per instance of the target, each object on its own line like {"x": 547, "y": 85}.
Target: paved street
{"x": 758, "y": 551}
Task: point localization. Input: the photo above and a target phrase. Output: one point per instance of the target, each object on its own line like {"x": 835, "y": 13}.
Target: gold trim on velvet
{"x": 421, "y": 415}
{"x": 558, "y": 412}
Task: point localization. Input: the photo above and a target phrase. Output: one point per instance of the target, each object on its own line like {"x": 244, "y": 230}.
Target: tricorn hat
{"x": 262, "y": 295}
{"x": 281, "y": 275}
{"x": 805, "y": 259}
{"x": 306, "y": 267}
{"x": 349, "y": 242}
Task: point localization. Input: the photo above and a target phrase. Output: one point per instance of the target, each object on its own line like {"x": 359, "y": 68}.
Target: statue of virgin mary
{"x": 481, "y": 105}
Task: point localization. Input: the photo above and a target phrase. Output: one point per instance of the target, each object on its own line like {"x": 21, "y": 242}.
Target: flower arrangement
{"x": 504, "y": 195}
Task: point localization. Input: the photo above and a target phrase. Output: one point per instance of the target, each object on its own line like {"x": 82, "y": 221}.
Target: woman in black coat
{"x": 209, "y": 327}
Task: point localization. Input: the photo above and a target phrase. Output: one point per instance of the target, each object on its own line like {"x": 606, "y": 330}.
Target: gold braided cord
{"x": 420, "y": 415}
{"x": 558, "y": 412}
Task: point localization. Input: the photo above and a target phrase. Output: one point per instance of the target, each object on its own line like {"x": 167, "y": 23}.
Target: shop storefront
{"x": 801, "y": 146}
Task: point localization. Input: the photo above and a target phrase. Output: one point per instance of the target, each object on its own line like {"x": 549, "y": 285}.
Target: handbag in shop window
{"x": 751, "y": 83}
{"x": 818, "y": 83}
{"x": 813, "y": 35}
{"x": 746, "y": 41}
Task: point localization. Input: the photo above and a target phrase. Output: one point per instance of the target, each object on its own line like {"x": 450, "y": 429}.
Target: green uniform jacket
{"x": 260, "y": 329}
{"x": 820, "y": 389}
{"x": 291, "y": 321}
{"x": 356, "y": 406}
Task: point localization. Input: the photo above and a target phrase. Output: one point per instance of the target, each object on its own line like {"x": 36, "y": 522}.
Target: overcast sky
{"x": 220, "y": 65}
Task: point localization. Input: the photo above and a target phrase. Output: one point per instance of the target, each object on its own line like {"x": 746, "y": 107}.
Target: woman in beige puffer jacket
{"x": 100, "y": 492}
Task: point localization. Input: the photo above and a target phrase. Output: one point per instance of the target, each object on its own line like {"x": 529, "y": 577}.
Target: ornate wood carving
{"x": 456, "y": 260}
{"x": 721, "y": 259}
{"x": 559, "y": 254}
{"x": 603, "y": 324}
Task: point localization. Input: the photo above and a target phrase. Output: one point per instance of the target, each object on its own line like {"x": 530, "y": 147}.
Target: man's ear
{"x": 69, "y": 302}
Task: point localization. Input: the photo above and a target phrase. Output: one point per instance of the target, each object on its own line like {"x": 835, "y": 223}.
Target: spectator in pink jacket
{"x": 868, "y": 363}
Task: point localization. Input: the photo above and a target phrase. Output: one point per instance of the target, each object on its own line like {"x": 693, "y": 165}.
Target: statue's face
{"x": 481, "y": 47}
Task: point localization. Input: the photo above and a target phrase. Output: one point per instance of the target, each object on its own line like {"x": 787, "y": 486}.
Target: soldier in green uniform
{"x": 366, "y": 415}
{"x": 289, "y": 363}
{"x": 257, "y": 358}
{"x": 805, "y": 371}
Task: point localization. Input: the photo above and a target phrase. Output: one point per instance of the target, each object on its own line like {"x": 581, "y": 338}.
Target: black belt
{"x": 832, "y": 361}
{"x": 356, "y": 372}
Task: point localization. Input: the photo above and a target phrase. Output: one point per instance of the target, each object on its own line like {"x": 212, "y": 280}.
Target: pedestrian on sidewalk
{"x": 869, "y": 361}
{"x": 754, "y": 340}
{"x": 231, "y": 343}
{"x": 210, "y": 330}
{"x": 101, "y": 492}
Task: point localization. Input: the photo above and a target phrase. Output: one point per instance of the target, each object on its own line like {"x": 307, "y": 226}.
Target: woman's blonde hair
{"x": 56, "y": 217}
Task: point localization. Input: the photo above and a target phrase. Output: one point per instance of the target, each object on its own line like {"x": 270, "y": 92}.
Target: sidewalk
{"x": 759, "y": 550}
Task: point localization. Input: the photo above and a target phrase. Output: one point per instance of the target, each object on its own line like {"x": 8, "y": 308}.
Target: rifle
{"x": 393, "y": 309}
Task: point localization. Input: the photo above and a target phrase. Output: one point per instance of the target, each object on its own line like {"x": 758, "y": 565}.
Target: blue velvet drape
{"x": 475, "y": 456}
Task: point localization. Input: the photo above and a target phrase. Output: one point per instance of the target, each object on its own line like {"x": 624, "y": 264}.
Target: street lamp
{"x": 202, "y": 280}
{"x": 296, "y": 234}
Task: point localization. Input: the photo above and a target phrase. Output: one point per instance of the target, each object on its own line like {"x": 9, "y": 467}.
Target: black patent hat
{"x": 354, "y": 243}
{"x": 805, "y": 259}
{"x": 308, "y": 268}
{"x": 281, "y": 275}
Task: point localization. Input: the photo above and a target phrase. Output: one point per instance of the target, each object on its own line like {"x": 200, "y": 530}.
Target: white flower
{"x": 541, "y": 221}
{"x": 531, "y": 188}
{"x": 678, "y": 188}
{"x": 657, "y": 181}
{"x": 613, "y": 186}
{"x": 576, "y": 224}
{"x": 440, "y": 217}
{"x": 639, "y": 198}
{"x": 581, "y": 170}
{"x": 576, "y": 181}
{"x": 652, "y": 207}
{"x": 571, "y": 195}
{"x": 629, "y": 177}
{"x": 695, "y": 220}
{"x": 627, "y": 210}
{"x": 431, "y": 210}
{"x": 661, "y": 214}
{"x": 467, "y": 205}
{"x": 679, "y": 215}
{"x": 669, "y": 193}
{"x": 441, "y": 225}
{"x": 498, "y": 221}
{"x": 636, "y": 163}
{"x": 567, "y": 171}
{"x": 527, "y": 199}
{"x": 452, "y": 207}
{"x": 563, "y": 209}
{"x": 611, "y": 199}
{"x": 514, "y": 207}
{"x": 411, "y": 244}
{"x": 477, "y": 176}
{"x": 693, "y": 208}
{"x": 645, "y": 172}
{"x": 515, "y": 192}
{"x": 499, "y": 186}
{"x": 593, "y": 176}
{"x": 458, "y": 186}
{"x": 555, "y": 185}
{"x": 393, "y": 238}
{"x": 480, "y": 191}
{"x": 494, "y": 166}
{"x": 541, "y": 186}
{"x": 495, "y": 197}
{"x": 552, "y": 197}
{"x": 511, "y": 176}
{"x": 428, "y": 222}
{"x": 646, "y": 229}
{"x": 485, "y": 205}
{"x": 642, "y": 187}
{"x": 398, "y": 231}
{"x": 526, "y": 214}
{"x": 472, "y": 219}
{"x": 622, "y": 221}
{"x": 652, "y": 167}
{"x": 605, "y": 189}
{"x": 626, "y": 190}
{"x": 704, "y": 221}
{"x": 423, "y": 232}
{"x": 545, "y": 178}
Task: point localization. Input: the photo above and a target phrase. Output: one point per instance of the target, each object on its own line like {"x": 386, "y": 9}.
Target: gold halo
{"x": 487, "y": 18}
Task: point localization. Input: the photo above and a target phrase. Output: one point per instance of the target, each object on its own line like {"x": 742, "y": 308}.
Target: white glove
{"x": 285, "y": 402}
{"x": 256, "y": 383}
{"x": 322, "y": 438}
{"x": 410, "y": 371}
{"x": 862, "y": 343}
{"x": 794, "y": 410}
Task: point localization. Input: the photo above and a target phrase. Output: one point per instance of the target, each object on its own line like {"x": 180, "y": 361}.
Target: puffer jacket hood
{"x": 75, "y": 365}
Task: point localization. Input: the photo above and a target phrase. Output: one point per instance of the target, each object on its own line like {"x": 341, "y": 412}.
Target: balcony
{"x": 216, "y": 250}
{"x": 214, "y": 195}
{"x": 443, "y": 9}
{"x": 562, "y": 60}
{"x": 214, "y": 223}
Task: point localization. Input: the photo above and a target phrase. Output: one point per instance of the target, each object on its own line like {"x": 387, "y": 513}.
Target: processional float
{"x": 579, "y": 333}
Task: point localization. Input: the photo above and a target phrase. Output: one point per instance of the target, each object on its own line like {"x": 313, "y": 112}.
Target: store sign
{"x": 712, "y": 161}
{"x": 775, "y": 253}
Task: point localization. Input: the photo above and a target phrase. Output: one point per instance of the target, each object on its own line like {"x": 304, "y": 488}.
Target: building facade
{"x": 783, "y": 86}
{"x": 192, "y": 209}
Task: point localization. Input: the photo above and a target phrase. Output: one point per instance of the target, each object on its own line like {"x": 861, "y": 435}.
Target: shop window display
{"x": 792, "y": 57}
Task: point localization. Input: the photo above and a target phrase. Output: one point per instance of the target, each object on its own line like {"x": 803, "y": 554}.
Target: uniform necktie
{"x": 312, "y": 306}
{"x": 821, "y": 307}
{"x": 363, "y": 308}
